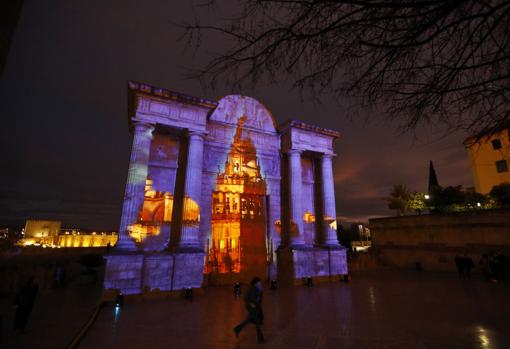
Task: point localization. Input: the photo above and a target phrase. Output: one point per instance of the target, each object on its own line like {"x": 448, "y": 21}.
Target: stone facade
{"x": 217, "y": 189}
{"x": 434, "y": 240}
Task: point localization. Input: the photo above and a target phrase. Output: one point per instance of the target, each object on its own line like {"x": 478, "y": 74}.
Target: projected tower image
{"x": 237, "y": 246}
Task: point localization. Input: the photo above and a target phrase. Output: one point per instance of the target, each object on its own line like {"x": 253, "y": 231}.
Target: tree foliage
{"x": 449, "y": 199}
{"x": 399, "y": 199}
{"x": 417, "y": 202}
{"x": 501, "y": 194}
{"x": 441, "y": 61}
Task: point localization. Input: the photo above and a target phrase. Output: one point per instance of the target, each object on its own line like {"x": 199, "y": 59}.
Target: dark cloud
{"x": 64, "y": 140}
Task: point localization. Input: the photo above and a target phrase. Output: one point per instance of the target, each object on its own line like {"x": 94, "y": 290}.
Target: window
{"x": 501, "y": 166}
{"x": 496, "y": 144}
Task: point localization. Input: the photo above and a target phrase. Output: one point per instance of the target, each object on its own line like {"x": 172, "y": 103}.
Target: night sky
{"x": 63, "y": 104}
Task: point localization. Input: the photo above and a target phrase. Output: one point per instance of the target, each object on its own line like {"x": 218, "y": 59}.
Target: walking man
{"x": 253, "y": 304}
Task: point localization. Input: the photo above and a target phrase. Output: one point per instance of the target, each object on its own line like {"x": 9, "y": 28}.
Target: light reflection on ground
{"x": 375, "y": 310}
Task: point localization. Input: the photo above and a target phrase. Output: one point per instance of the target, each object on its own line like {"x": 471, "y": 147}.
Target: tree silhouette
{"x": 501, "y": 193}
{"x": 426, "y": 61}
{"x": 399, "y": 199}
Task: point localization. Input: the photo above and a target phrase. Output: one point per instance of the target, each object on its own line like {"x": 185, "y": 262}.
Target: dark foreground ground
{"x": 385, "y": 309}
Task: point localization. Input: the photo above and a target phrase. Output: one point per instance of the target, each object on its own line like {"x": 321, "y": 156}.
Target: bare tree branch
{"x": 426, "y": 61}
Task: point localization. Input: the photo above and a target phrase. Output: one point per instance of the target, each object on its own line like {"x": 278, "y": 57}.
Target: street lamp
{"x": 427, "y": 196}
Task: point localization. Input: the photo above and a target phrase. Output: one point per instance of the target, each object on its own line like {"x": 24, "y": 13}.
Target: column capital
{"x": 142, "y": 125}
{"x": 196, "y": 134}
{"x": 326, "y": 156}
{"x": 294, "y": 152}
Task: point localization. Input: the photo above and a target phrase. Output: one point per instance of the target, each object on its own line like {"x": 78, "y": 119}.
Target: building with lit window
{"x": 489, "y": 157}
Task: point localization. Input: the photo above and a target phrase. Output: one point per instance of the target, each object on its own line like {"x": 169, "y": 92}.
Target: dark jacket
{"x": 253, "y": 303}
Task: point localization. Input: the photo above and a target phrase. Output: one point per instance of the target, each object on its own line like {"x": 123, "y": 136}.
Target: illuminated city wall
{"x": 49, "y": 234}
{"x": 41, "y": 228}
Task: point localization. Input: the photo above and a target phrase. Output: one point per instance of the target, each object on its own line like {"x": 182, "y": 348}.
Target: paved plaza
{"x": 384, "y": 309}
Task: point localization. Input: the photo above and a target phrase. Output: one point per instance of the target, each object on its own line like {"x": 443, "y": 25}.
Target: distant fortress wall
{"x": 48, "y": 233}
{"x": 434, "y": 240}
{"x": 82, "y": 240}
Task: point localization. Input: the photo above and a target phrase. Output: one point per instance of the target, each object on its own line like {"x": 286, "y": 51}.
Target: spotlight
{"x": 237, "y": 288}
{"x": 188, "y": 293}
{"x": 119, "y": 300}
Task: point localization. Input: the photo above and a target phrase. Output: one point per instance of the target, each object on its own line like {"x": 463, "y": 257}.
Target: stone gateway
{"x": 217, "y": 193}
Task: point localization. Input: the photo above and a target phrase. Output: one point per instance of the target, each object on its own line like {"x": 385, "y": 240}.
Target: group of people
{"x": 495, "y": 266}
{"x": 464, "y": 265}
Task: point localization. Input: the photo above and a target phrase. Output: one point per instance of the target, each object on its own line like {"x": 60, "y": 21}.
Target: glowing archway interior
{"x": 237, "y": 243}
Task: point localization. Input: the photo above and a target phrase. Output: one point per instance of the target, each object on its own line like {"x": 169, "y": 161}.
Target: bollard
{"x": 119, "y": 300}
{"x": 188, "y": 293}
{"x": 274, "y": 284}
{"x": 237, "y": 288}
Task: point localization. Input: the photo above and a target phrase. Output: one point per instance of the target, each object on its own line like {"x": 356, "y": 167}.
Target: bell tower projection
{"x": 237, "y": 245}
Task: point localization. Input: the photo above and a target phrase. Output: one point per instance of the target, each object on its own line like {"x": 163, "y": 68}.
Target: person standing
{"x": 24, "y": 302}
{"x": 468, "y": 265}
{"x": 486, "y": 267}
{"x": 253, "y": 304}
{"x": 459, "y": 262}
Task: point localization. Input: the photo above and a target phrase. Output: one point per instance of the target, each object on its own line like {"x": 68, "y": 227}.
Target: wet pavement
{"x": 57, "y": 316}
{"x": 374, "y": 310}
{"x": 385, "y": 309}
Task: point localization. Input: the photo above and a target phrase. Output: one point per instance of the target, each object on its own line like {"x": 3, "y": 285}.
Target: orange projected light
{"x": 156, "y": 210}
{"x": 237, "y": 243}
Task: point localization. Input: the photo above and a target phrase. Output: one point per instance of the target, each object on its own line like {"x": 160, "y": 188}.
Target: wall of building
{"x": 39, "y": 228}
{"x": 483, "y": 157}
{"x": 434, "y": 240}
{"x": 81, "y": 240}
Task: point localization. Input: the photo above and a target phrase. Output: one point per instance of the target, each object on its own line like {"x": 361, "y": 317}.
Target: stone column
{"x": 296, "y": 210}
{"x": 190, "y": 238}
{"x": 328, "y": 200}
{"x": 135, "y": 185}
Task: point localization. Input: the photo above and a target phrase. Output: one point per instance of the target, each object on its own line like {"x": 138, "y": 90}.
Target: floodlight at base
{"x": 188, "y": 293}
{"x": 237, "y": 288}
{"x": 274, "y": 284}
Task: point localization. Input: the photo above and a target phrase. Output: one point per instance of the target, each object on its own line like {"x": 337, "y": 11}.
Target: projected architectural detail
{"x": 216, "y": 193}
{"x": 238, "y": 240}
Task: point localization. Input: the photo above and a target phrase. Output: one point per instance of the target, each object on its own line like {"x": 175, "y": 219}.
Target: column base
{"x": 189, "y": 249}
{"x": 125, "y": 244}
{"x": 333, "y": 244}
{"x": 124, "y": 273}
{"x": 137, "y": 273}
{"x": 304, "y": 262}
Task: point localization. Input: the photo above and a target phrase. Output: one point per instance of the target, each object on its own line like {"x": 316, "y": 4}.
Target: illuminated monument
{"x": 216, "y": 193}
